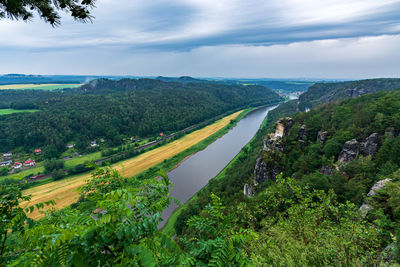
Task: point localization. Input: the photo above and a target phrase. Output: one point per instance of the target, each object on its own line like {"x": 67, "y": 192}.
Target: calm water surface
{"x": 195, "y": 172}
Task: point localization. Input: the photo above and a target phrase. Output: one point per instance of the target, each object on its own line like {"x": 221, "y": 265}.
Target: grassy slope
{"x": 169, "y": 229}
{"x": 39, "y": 86}
{"x": 11, "y": 111}
{"x": 80, "y": 160}
{"x": 64, "y": 191}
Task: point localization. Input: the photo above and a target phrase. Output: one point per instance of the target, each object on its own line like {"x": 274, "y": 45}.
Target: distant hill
{"x": 114, "y": 110}
{"x": 321, "y": 93}
{"x": 182, "y": 79}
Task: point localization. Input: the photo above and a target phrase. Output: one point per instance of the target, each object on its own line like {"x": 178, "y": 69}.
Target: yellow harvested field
{"x": 65, "y": 192}
{"x": 22, "y": 86}
{"x": 37, "y": 86}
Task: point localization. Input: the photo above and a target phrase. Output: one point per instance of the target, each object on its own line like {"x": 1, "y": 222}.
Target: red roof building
{"x": 29, "y": 162}
{"x": 17, "y": 165}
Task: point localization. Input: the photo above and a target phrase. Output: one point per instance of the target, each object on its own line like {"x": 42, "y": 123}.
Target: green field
{"x": 11, "y": 111}
{"x": 79, "y": 160}
{"x": 48, "y": 87}
{"x": 22, "y": 174}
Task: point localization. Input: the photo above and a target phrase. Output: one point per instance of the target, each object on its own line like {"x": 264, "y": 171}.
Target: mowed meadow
{"x": 43, "y": 86}
{"x": 65, "y": 192}
{"x": 11, "y": 111}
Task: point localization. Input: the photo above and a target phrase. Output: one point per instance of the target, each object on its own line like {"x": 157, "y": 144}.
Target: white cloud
{"x": 342, "y": 58}
{"x": 258, "y": 38}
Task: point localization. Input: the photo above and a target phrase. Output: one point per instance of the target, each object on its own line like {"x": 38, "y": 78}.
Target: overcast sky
{"x": 209, "y": 38}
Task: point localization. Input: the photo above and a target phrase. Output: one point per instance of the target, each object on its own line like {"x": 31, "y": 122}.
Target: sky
{"x": 338, "y": 39}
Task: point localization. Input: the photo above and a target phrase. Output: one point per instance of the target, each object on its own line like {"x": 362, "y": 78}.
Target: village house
{"x": 17, "y": 165}
{"x": 9, "y": 154}
{"x": 38, "y": 151}
{"x": 29, "y": 163}
{"x": 70, "y": 145}
{"x": 132, "y": 139}
{"x": 93, "y": 144}
{"x": 6, "y": 163}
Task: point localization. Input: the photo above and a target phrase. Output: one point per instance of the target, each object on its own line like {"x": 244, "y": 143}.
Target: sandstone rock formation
{"x": 264, "y": 172}
{"x": 302, "y": 133}
{"x": 283, "y": 126}
{"x": 321, "y": 137}
{"x": 366, "y": 207}
{"x": 327, "y": 170}
{"x": 349, "y": 152}
{"x": 370, "y": 146}
{"x": 249, "y": 190}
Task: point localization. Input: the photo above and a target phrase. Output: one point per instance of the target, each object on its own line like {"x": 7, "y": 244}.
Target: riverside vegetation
{"x": 311, "y": 219}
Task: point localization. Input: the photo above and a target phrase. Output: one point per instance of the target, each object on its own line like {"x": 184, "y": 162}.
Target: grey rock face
{"x": 262, "y": 172}
{"x": 356, "y": 92}
{"x": 249, "y": 190}
{"x": 365, "y": 208}
{"x": 349, "y": 152}
{"x": 379, "y": 185}
{"x": 327, "y": 170}
{"x": 370, "y": 146}
{"x": 321, "y": 137}
{"x": 273, "y": 144}
{"x": 302, "y": 133}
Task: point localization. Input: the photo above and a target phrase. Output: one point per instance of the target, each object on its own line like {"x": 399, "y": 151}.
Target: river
{"x": 195, "y": 172}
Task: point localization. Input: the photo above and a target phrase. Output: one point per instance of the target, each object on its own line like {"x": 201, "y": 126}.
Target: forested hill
{"x": 116, "y": 109}
{"x": 321, "y": 93}
{"x": 339, "y": 157}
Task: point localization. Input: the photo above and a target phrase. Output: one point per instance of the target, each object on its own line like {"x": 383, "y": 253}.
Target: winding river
{"x": 195, "y": 172}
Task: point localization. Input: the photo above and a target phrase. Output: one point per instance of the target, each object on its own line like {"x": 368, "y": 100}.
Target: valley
{"x": 64, "y": 192}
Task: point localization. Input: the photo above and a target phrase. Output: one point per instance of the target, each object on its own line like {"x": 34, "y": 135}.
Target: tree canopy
{"x": 48, "y": 10}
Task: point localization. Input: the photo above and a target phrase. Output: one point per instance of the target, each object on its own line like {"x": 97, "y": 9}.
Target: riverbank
{"x": 64, "y": 192}
{"x": 169, "y": 226}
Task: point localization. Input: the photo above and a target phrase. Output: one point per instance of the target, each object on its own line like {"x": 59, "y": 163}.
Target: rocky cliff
{"x": 273, "y": 145}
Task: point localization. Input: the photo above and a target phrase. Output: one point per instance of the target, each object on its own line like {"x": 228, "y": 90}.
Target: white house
{"x": 93, "y": 144}
{"x": 30, "y": 163}
{"x": 6, "y": 163}
{"x": 17, "y": 165}
{"x": 70, "y": 145}
{"x": 9, "y": 154}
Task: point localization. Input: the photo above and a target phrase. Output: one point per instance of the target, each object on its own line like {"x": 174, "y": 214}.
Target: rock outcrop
{"x": 283, "y": 126}
{"x": 327, "y": 170}
{"x": 263, "y": 172}
{"x": 378, "y": 186}
{"x": 272, "y": 144}
{"x": 351, "y": 149}
{"x": 321, "y": 137}
{"x": 366, "y": 207}
{"x": 349, "y": 152}
{"x": 370, "y": 146}
{"x": 249, "y": 190}
{"x": 302, "y": 133}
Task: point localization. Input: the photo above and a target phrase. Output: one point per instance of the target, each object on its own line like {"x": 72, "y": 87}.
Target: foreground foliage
{"x": 116, "y": 224}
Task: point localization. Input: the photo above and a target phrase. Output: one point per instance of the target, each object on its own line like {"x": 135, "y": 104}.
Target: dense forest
{"x": 327, "y": 195}
{"x": 114, "y": 109}
{"x": 320, "y": 93}
{"x": 310, "y": 219}
{"x": 336, "y": 152}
